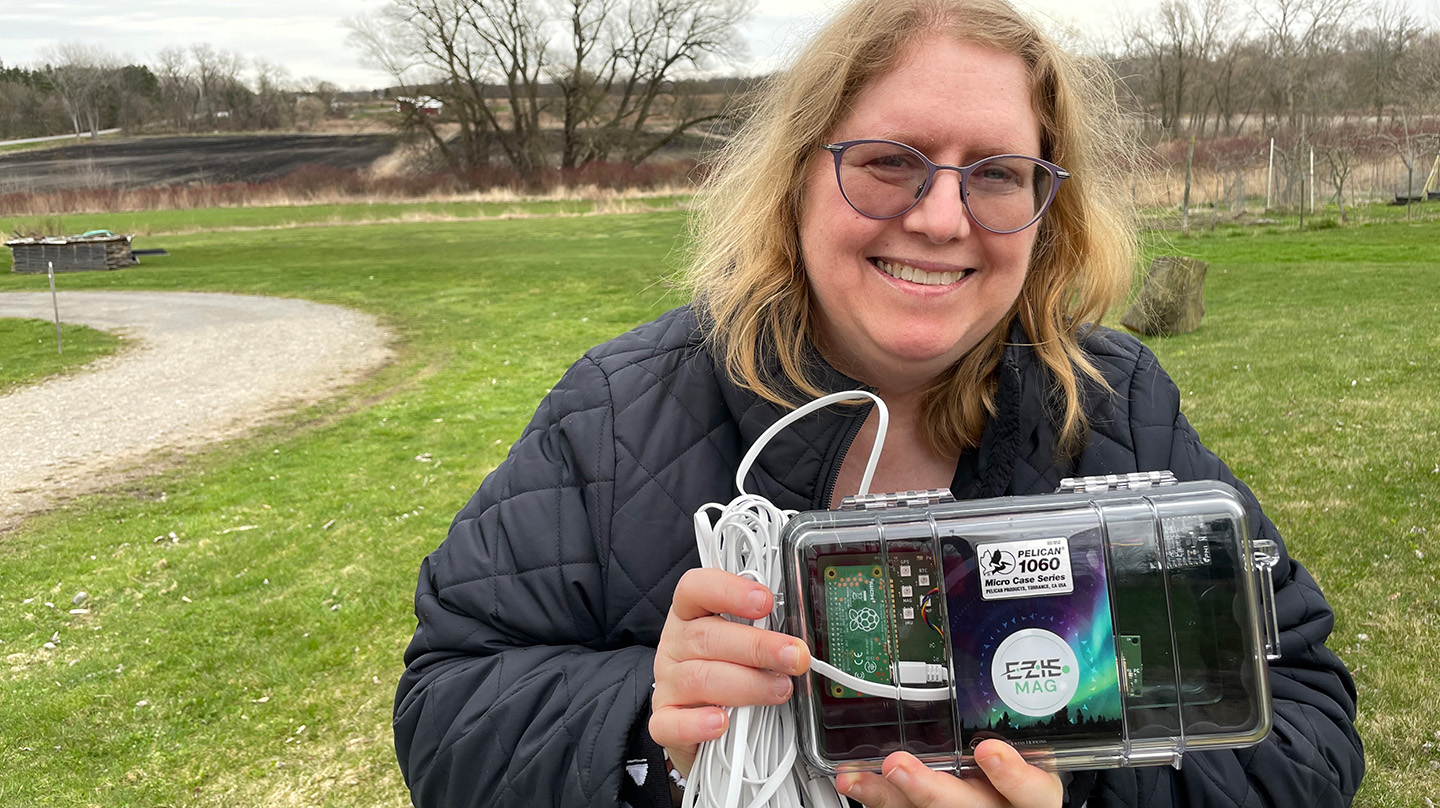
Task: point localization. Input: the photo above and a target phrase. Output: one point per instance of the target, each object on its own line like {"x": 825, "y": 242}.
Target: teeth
{"x": 920, "y": 276}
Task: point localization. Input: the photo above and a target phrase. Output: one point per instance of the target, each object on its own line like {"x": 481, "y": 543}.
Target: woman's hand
{"x": 704, "y": 661}
{"x": 1009, "y": 782}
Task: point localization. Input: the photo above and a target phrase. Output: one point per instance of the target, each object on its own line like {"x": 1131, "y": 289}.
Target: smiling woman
{"x": 875, "y": 323}
{"x": 860, "y": 231}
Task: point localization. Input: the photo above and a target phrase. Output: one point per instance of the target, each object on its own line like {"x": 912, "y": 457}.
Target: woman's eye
{"x": 997, "y": 177}
{"x": 997, "y": 174}
{"x": 898, "y": 161}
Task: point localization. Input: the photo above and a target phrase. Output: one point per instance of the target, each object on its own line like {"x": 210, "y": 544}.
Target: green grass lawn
{"x": 247, "y": 610}
{"x": 44, "y": 144}
{"x": 31, "y": 354}
{"x": 1314, "y": 376}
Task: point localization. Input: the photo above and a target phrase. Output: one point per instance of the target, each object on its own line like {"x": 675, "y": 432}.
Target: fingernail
{"x": 846, "y": 784}
{"x": 782, "y": 687}
{"x": 990, "y": 755}
{"x": 790, "y": 658}
{"x": 714, "y": 723}
{"x": 760, "y": 600}
{"x": 898, "y": 776}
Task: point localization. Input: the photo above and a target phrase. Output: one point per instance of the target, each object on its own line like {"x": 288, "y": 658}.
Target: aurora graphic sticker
{"x": 1038, "y": 667}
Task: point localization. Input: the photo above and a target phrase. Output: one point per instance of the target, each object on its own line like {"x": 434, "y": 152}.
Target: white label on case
{"x": 1024, "y": 569}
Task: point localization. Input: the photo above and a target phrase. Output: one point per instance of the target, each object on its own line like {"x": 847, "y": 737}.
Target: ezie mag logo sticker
{"x": 1035, "y": 672}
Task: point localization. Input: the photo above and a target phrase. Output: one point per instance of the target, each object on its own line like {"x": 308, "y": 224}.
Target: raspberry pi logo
{"x": 1035, "y": 672}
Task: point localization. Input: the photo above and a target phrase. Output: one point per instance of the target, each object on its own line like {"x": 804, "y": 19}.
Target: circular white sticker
{"x": 1035, "y": 672}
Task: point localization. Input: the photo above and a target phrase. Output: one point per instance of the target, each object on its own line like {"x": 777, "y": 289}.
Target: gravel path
{"x": 206, "y": 367}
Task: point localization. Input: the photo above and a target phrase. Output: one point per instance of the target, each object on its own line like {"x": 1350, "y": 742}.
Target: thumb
{"x": 1019, "y": 782}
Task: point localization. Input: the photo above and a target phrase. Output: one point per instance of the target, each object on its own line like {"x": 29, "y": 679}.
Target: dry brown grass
{"x": 323, "y": 185}
{"x": 1372, "y": 181}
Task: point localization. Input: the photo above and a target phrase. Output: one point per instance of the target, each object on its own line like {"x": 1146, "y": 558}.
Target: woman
{"x": 863, "y": 230}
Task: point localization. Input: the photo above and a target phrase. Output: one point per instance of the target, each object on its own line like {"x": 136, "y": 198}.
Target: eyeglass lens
{"x": 883, "y": 180}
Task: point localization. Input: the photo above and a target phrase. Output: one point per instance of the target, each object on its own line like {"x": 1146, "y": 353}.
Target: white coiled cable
{"x": 756, "y": 762}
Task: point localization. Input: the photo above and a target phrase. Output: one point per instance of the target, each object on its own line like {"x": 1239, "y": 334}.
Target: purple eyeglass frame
{"x": 839, "y": 148}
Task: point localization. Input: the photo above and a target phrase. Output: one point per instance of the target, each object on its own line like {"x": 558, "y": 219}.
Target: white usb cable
{"x": 756, "y": 762}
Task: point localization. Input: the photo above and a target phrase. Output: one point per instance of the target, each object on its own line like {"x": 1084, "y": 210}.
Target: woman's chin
{"x": 911, "y": 363}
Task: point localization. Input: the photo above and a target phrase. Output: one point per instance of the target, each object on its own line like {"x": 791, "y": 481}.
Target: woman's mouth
{"x": 919, "y": 276}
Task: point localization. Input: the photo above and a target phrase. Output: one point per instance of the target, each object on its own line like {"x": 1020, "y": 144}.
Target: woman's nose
{"x": 940, "y": 214}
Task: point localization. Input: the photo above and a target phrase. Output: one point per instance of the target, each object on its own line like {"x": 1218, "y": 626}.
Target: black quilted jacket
{"x": 529, "y": 674}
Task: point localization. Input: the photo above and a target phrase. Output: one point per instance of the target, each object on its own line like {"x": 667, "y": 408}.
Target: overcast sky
{"x": 307, "y": 38}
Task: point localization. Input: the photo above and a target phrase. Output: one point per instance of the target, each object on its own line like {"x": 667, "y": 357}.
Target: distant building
{"x": 426, "y": 105}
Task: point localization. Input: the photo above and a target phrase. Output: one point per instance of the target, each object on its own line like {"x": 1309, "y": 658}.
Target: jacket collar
{"x": 797, "y": 469}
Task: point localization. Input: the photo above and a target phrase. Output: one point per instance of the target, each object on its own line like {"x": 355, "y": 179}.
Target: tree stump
{"x": 1171, "y": 301}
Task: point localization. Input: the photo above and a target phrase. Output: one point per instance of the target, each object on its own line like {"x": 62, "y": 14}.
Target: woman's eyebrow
{"x": 927, "y": 146}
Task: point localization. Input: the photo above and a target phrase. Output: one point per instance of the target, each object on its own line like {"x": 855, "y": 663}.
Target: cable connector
{"x": 897, "y": 692}
{"x": 918, "y": 673}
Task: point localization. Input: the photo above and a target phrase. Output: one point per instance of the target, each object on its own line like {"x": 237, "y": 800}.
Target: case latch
{"x": 898, "y": 499}
{"x": 1115, "y": 482}
{"x": 1267, "y": 555}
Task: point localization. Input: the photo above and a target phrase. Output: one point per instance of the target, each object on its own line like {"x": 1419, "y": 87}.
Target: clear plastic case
{"x": 1118, "y": 623}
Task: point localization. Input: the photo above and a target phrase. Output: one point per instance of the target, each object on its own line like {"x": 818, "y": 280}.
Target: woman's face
{"x": 957, "y": 103}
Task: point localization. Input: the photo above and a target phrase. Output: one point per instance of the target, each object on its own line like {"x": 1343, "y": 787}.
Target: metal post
{"x": 1312, "y": 180}
{"x": 1185, "y": 205}
{"x": 1270, "y": 175}
{"x": 55, "y": 301}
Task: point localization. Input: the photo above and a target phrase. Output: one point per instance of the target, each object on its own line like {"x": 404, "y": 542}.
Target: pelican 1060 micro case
{"x": 1118, "y": 622}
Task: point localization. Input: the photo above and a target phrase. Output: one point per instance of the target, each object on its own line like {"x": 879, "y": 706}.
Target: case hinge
{"x": 898, "y": 499}
{"x": 1115, "y": 482}
{"x": 1266, "y": 555}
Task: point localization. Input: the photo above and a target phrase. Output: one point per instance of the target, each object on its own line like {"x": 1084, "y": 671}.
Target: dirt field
{"x": 145, "y": 162}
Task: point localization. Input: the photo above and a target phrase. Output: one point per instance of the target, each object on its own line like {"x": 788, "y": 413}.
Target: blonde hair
{"x": 746, "y": 272}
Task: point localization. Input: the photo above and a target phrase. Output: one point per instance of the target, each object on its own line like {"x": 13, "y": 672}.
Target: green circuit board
{"x": 856, "y": 612}
{"x": 864, "y": 604}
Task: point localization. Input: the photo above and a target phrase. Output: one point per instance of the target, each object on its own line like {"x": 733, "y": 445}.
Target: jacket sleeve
{"x": 510, "y": 696}
{"x": 1312, "y": 757}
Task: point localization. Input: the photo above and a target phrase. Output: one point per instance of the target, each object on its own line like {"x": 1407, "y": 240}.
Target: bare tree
{"x": 512, "y": 31}
{"x": 1376, "y": 56}
{"x": 273, "y": 108}
{"x": 1235, "y": 81}
{"x": 1414, "y": 143}
{"x": 205, "y": 63}
{"x": 1342, "y": 148}
{"x": 216, "y": 74}
{"x": 1300, "y": 35}
{"x": 1175, "y": 49}
{"x": 607, "y": 70}
{"x": 585, "y": 72}
{"x": 78, "y": 74}
{"x": 429, "y": 50}
{"x": 666, "y": 37}
{"x": 179, "y": 94}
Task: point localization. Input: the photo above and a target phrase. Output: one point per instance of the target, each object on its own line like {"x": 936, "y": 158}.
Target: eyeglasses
{"x": 882, "y": 179}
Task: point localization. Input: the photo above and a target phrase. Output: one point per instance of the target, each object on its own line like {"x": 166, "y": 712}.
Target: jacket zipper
{"x": 854, "y": 430}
